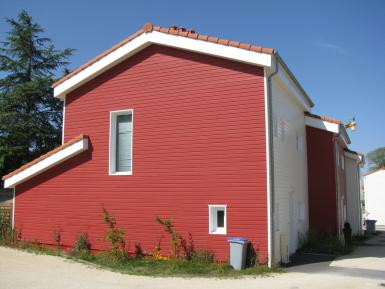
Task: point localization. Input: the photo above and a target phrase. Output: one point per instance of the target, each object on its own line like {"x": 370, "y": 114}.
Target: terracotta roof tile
{"x": 39, "y": 159}
{"x": 174, "y": 30}
{"x": 244, "y": 46}
{"x": 256, "y": 48}
{"x": 192, "y": 35}
{"x": 203, "y": 37}
{"x": 223, "y": 41}
{"x": 213, "y": 39}
{"x": 328, "y": 119}
{"x": 233, "y": 43}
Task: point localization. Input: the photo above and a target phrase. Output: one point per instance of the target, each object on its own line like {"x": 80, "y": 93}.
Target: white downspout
{"x": 270, "y": 161}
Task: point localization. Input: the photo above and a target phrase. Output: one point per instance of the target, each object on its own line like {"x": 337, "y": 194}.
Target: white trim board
{"x": 352, "y": 156}
{"x": 329, "y": 126}
{"x": 322, "y": 124}
{"x": 155, "y": 37}
{"x": 47, "y": 163}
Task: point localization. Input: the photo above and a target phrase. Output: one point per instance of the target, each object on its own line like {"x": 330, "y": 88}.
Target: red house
{"x": 334, "y": 180}
{"x": 206, "y": 131}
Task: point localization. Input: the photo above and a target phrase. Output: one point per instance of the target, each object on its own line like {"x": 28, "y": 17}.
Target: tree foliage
{"x": 30, "y": 117}
{"x": 376, "y": 158}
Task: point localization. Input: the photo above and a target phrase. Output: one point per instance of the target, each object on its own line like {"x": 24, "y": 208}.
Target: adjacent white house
{"x": 353, "y": 162}
{"x": 374, "y": 184}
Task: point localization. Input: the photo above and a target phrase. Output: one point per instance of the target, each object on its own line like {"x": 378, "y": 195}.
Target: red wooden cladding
{"x": 198, "y": 139}
{"x": 322, "y": 181}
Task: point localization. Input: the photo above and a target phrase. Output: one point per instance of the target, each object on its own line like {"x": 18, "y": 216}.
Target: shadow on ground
{"x": 366, "y": 260}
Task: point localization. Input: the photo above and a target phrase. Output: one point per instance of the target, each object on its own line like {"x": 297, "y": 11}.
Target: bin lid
{"x": 238, "y": 240}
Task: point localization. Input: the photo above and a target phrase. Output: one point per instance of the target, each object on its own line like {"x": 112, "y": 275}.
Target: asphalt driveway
{"x": 365, "y": 268}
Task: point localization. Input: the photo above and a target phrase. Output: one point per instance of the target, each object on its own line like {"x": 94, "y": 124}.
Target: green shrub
{"x": 8, "y": 235}
{"x": 114, "y": 235}
{"x": 169, "y": 229}
{"x": 203, "y": 257}
{"x": 188, "y": 247}
{"x": 82, "y": 245}
{"x": 138, "y": 250}
{"x": 56, "y": 237}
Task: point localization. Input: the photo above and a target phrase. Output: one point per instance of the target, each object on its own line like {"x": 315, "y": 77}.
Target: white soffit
{"x": 155, "y": 37}
{"x": 47, "y": 163}
{"x": 352, "y": 156}
{"x": 322, "y": 124}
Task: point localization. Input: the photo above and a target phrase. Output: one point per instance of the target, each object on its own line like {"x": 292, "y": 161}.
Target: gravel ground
{"x": 365, "y": 268}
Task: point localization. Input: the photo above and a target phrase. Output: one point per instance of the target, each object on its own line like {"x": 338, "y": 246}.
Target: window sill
{"x": 218, "y": 232}
{"x": 120, "y": 174}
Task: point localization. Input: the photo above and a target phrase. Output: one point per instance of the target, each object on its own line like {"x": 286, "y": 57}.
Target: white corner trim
{"x": 344, "y": 135}
{"x": 63, "y": 122}
{"x": 13, "y": 208}
{"x": 268, "y": 188}
{"x": 47, "y": 163}
{"x": 322, "y": 124}
{"x": 155, "y": 37}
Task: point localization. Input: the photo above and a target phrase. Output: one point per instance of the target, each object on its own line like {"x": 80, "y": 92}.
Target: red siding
{"x": 321, "y": 181}
{"x": 199, "y": 139}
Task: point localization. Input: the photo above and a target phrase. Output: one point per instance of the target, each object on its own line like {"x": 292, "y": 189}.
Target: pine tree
{"x": 30, "y": 117}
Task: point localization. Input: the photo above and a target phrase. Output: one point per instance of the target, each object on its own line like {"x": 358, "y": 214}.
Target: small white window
{"x": 121, "y": 142}
{"x": 299, "y": 143}
{"x": 276, "y": 217}
{"x": 275, "y": 126}
{"x": 302, "y": 212}
{"x": 217, "y": 219}
{"x": 342, "y": 163}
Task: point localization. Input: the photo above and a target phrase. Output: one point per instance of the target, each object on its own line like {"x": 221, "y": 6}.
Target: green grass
{"x": 323, "y": 244}
{"x": 151, "y": 267}
{"x": 148, "y": 266}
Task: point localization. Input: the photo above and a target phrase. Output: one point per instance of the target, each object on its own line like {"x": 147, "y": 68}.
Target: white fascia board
{"x": 352, "y": 156}
{"x": 155, "y": 37}
{"x": 47, "y": 163}
{"x": 344, "y": 135}
{"x": 289, "y": 83}
{"x": 321, "y": 124}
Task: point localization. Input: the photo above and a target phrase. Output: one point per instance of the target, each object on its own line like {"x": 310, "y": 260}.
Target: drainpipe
{"x": 271, "y": 159}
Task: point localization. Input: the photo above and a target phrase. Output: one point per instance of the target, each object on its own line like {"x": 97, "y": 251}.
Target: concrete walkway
{"x": 365, "y": 268}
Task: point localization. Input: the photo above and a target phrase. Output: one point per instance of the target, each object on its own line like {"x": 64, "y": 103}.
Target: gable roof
{"x": 178, "y": 38}
{"x": 173, "y": 30}
{"x": 46, "y": 161}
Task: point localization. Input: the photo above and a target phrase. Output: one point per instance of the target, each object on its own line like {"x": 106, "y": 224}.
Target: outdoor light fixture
{"x": 351, "y": 124}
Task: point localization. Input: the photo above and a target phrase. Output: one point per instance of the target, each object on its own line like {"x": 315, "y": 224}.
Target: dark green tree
{"x": 376, "y": 158}
{"x": 30, "y": 117}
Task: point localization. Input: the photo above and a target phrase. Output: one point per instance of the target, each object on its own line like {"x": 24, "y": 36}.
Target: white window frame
{"x": 213, "y": 230}
{"x": 112, "y": 145}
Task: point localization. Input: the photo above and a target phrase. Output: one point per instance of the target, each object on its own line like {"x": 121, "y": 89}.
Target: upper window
{"x": 217, "y": 219}
{"x": 121, "y": 142}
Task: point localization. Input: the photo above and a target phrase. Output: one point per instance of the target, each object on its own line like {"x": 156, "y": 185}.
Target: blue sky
{"x": 336, "y": 49}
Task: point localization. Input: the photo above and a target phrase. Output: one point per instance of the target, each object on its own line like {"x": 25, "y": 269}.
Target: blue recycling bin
{"x": 238, "y": 252}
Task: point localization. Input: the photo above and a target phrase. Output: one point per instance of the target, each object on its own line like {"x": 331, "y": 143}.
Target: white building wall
{"x": 374, "y": 185}
{"x": 290, "y": 210}
{"x": 353, "y": 200}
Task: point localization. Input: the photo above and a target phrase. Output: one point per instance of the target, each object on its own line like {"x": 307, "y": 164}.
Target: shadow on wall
{"x": 57, "y": 170}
